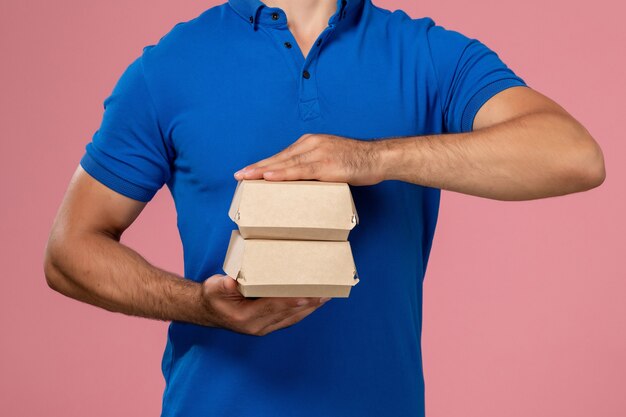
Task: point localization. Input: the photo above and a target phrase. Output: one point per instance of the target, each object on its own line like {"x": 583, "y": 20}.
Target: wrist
{"x": 203, "y": 303}
{"x": 389, "y": 156}
{"x": 191, "y": 305}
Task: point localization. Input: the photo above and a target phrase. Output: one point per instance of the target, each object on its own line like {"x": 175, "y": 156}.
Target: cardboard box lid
{"x": 290, "y": 262}
{"x": 260, "y": 206}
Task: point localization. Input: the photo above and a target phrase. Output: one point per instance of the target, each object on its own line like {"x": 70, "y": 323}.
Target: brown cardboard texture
{"x": 302, "y": 210}
{"x": 290, "y": 268}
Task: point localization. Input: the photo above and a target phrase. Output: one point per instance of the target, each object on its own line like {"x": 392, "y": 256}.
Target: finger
{"x": 220, "y": 295}
{"x": 228, "y": 285}
{"x": 302, "y": 145}
{"x": 258, "y": 314}
{"x": 272, "y": 306}
{"x": 227, "y": 290}
{"x": 220, "y": 284}
{"x": 282, "y": 156}
{"x": 297, "y": 159}
{"x": 310, "y": 171}
{"x": 257, "y": 173}
{"x": 291, "y": 320}
{"x": 275, "y": 310}
{"x": 281, "y": 315}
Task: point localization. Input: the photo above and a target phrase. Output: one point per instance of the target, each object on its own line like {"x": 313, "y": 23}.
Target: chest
{"x": 254, "y": 102}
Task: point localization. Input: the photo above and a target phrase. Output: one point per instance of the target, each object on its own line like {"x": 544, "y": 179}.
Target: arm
{"x": 85, "y": 260}
{"x": 523, "y": 146}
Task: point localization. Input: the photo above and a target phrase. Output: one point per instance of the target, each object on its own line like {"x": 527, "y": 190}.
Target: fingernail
{"x": 324, "y": 299}
{"x": 302, "y": 302}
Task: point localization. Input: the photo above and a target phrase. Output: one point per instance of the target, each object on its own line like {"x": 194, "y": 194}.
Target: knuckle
{"x": 326, "y": 162}
{"x": 314, "y": 168}
{"x": 297, "y": 158}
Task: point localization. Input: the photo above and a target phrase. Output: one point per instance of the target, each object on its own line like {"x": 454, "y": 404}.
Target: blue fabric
{"x": 222, "y": 91}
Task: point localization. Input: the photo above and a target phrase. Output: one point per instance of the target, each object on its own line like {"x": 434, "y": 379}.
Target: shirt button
{"x": 251, "y": 19}
{"x": 274, "y": 16}
{"x": 306, "y": 74}
{"x": 288, "y": 45}
{"x": 319, "y": 42}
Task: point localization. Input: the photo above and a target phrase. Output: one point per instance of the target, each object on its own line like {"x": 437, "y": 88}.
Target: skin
{"x": 306, "y": 19}
{"x": 85, "y": 260}
{"x": 523, "y": 146}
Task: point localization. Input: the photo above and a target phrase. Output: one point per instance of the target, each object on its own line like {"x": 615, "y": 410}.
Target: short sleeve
{"x": 128, "y": 153}
{"x": 468, "y": 75}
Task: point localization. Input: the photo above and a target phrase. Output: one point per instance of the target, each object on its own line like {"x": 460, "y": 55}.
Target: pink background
{"x": 525, "y": 311}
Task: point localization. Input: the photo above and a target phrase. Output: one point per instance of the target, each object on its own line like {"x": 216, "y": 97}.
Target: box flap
{"x": 234, "y": 255}
{"x": 234, "y": 205}
{"x": 268, "y": 209}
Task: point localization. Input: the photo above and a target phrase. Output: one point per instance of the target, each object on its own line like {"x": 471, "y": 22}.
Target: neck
{"x": 306, "y": 17}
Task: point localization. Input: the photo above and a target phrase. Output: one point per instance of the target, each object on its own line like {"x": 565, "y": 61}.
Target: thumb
{"x": 227, "y": 285}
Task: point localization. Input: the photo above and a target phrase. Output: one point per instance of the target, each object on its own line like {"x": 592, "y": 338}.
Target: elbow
{"x": 54, "y": 276}
{"x": 51, "y": 271}
{"x": 596, "y": 174}
{"x": 584, "y": 168}
{"x": 591, "y": 170}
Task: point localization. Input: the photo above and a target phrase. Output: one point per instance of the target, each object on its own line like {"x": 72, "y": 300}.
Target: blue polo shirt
{"x": 231, "y": 87}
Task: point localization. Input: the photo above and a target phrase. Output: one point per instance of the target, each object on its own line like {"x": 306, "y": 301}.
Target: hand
{"x": 229, "y": 309}
{"x": 322, "y": 157}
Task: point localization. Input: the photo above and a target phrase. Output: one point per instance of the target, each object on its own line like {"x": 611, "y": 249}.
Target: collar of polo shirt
{"x": 255, "y": 12}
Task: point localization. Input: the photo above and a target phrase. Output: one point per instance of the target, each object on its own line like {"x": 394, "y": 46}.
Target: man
{"x": 332, "y": 90}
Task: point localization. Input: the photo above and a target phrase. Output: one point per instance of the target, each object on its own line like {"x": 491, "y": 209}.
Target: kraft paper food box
{"x": 292, "y": 239}
{"x": 290, "y": 268}
{"x": 300, "y": 210}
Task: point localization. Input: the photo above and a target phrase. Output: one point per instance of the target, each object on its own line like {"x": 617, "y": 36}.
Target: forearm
{"x": 97, "y": 269}
{"x": 533, "y": 156}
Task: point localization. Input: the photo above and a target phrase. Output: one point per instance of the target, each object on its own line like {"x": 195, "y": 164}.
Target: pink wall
{"x": 525, "y": 311}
